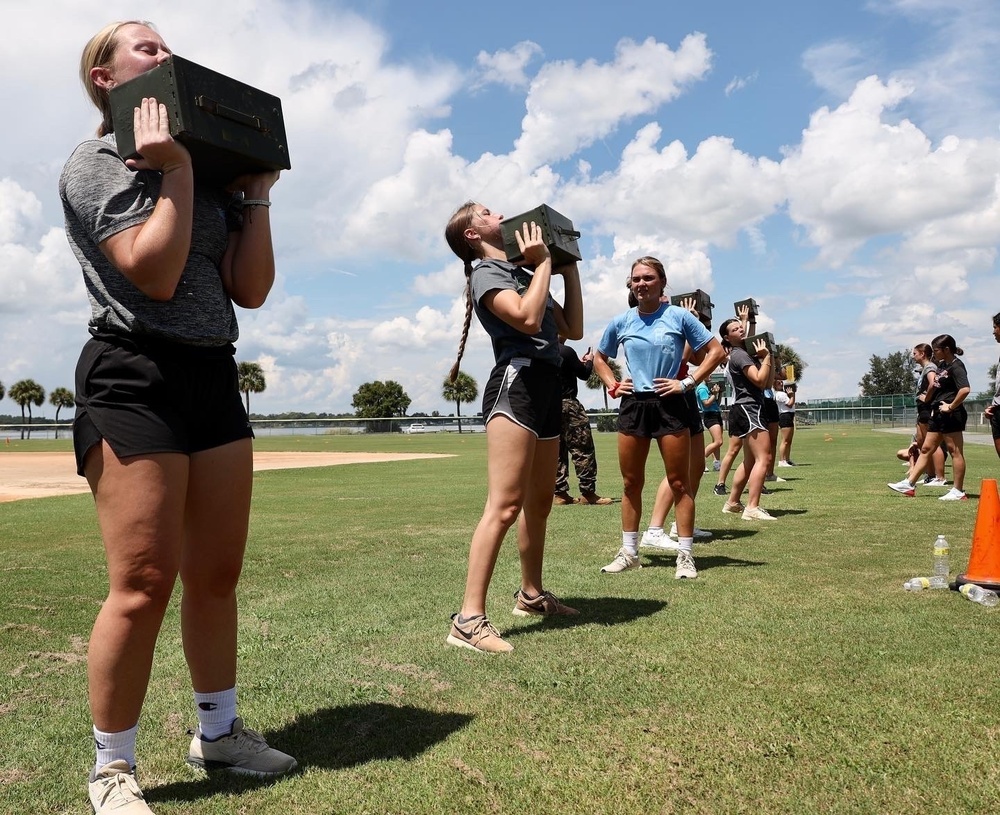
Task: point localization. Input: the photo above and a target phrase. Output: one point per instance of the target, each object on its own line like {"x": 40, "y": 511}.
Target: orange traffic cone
{"x": 984, "y": 562}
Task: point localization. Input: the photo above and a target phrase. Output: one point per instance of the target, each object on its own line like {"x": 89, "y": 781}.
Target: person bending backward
{"x": 653, "y": 403}
{"x": 160, "y": 430}
{"x": 926, "y": 387}
{"x": 750, "y": 375}
{"x": 992, "y": 412}
{"x": 522, "y": 407}
{"x": 947, "y": 420}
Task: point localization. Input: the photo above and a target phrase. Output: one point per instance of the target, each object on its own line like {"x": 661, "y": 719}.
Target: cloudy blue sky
{"x": 839, "y": 162}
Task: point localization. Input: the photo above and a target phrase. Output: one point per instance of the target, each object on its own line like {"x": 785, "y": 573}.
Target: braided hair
{"x": 454, "y": 233}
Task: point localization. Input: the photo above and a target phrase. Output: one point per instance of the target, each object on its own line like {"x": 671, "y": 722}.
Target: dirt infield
{"x": 41, "y": 475}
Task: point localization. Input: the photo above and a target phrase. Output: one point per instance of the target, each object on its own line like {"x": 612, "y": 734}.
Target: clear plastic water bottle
{"x": 921, "y": 583}
{"x": 941, "y": 552}
{"x": 977, "y": 594}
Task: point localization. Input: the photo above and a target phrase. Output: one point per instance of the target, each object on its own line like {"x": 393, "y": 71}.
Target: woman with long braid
{"x": 522, "y": 408}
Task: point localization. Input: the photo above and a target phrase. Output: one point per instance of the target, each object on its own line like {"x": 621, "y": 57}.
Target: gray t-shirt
{"x": 745, "y": 392}
{"x": 102, "y": 197}
{"x": 508, "y": 342}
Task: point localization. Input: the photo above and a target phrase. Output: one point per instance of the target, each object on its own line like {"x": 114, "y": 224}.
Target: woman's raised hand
{"x": 530, "y": 244}
{"x": 157, "y": 149}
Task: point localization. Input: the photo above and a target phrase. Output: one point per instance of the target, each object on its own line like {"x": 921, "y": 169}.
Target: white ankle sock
{"x": 630, "y": 542}
{"x": 685, "y": 544}
{"x": 115, "y": 746}
{"x": 216, "y": 713}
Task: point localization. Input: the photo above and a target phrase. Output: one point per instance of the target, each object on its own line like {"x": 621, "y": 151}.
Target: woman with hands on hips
{"x": 653, "y": 403}
{"x": 160, "y": 431}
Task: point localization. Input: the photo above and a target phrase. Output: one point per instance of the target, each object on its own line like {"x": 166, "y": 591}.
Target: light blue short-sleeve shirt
{"x": 653, "y": 343}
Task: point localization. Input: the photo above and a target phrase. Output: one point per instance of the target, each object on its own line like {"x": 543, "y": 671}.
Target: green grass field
{"x": 794, "y": 676}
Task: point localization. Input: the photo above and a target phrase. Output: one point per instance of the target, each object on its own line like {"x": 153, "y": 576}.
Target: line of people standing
{"x": 941, "y": 417}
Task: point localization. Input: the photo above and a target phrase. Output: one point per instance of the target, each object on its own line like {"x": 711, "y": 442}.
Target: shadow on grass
{"x": 721, "y": 535}
{"x": 594, "y": 611}
{"x": 333, "y": 739}
{"x": 703, "y": 562}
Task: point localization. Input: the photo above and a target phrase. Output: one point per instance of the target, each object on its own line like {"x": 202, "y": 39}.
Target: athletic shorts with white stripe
{"x": 526, "y": 391}
{"x": 744, "y": 419}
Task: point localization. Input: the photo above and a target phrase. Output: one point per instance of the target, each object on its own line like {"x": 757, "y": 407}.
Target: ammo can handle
{"x": 570, "y": 233}
{"x": 213, "y": 107}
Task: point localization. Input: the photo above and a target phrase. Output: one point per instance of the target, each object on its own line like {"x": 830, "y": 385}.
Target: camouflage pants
{"x": 576, "y": 440}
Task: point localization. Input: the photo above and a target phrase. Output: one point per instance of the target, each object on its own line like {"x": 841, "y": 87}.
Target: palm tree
{"x": 789, "y": 356}
{"x": 463, "y": 389}
{"x": 2, "y": 391}
{"x": 251, "y": 380}
{"x": 595, "y": 381}
{"x": 61, "y": 398}
{"x": 27, "y": 392}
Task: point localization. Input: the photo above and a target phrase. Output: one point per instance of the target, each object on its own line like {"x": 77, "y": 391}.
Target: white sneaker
{"x": 954, "y": 495}
{"x": 757, "y": 514}
{"x": 685, "y": 566}
{"x": 622, "y": 563}
{"x": 113, "y": 788}
{"x": 786, "y": 464}
{"x": 658, "y": 539}
{"x": 903, "y": 487}
{"x": 732, "y": 509}
{"x": 936, "y": 482}
{"x": 243, "y": 751}
{"x": 698, "y": 534}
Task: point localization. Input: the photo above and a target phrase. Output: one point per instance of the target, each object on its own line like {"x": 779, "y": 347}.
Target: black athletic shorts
{"x": 711, "y": 418}
{"x": 786, "y": 419}
{"x": 156, "y": 397}
{"x": 696, "y": 425}
{"x": 745, "y": 418}
{"x": 923, "y": 413}
{"x": 995, "y": 423}
{"x": 950, "y": 422}
{"x": 650, "y": 416}
{"x": 770, "y": 411}
{"x": 528, "y": 392}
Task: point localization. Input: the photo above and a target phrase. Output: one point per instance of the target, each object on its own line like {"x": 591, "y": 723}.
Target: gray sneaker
{"x": 685, "y": 566}
{"x": 113, "y": 788}
{"x": 243, "y": 752}
{"x": 622, "y": 563}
